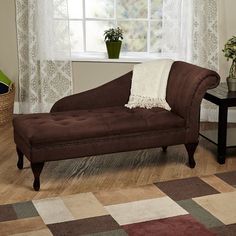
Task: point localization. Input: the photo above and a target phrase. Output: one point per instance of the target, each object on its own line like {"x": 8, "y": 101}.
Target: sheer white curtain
{"x": 45, "y": 70}
{"x": 190, "y": 31}
{"x": 176, "y": 29}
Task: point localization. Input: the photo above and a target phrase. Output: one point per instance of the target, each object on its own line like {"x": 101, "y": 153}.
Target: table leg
{"x": 222, "y": 133}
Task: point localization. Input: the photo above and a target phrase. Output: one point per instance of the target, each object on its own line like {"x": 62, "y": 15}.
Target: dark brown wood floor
{"x": 103, "y": 172}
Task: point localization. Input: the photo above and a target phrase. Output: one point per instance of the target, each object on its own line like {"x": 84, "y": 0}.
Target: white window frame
{"x": 125, "y": 57}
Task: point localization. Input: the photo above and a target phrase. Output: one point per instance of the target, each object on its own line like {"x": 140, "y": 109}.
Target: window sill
{"x": 107, "y": 60}
{"x": 102, "y": 58}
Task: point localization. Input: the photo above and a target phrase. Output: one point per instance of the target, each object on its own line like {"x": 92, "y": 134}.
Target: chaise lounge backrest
{"x": 114, "y": 93}
{"x": 186, "y": 87}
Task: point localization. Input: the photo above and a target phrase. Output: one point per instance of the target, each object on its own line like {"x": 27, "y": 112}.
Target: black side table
{"x": 223, "y": 138}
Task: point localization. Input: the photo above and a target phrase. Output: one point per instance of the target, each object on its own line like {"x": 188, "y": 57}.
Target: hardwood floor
{"x": 102, "y": 172}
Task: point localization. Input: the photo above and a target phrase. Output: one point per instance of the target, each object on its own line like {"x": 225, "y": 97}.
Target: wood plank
{"x": 104, "y": 172}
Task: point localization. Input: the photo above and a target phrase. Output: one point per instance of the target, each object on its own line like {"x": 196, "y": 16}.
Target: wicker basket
{"x": 7, "y": 105}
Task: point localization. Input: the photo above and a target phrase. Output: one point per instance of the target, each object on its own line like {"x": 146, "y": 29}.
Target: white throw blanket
{"x": 149, "y": 84}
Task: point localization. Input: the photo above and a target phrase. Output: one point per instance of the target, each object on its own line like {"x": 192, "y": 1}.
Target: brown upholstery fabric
{"x": 186, "y": 87}
{"x": 96, "y": 122}
{"x": 102, "y": 145}
{"x": 184, "y": 83}
{"x": 84, "y": 124}
{"x": 114, "y": 93}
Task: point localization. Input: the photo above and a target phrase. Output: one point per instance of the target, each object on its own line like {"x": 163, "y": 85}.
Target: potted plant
{"x": 113, "y": 38}
{"x": 230, "y": 53}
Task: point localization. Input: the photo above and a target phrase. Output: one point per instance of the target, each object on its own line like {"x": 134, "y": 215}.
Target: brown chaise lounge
{"x": 96, "y": 122}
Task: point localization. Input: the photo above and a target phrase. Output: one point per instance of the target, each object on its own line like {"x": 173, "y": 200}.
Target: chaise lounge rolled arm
{"x": 185, "y": 97}
{"x": 96, "y": 122}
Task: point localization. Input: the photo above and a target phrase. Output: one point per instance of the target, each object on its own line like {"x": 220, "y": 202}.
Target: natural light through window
{"x": 141, "y": 21}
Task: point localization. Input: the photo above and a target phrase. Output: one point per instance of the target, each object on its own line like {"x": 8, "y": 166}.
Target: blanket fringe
{"x": 144, "y": 102}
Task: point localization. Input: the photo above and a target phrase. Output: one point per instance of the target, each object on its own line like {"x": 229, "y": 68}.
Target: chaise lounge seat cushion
{"x": 52, "y": 128}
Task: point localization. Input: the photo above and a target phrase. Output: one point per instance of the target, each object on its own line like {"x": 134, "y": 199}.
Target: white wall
{"x": 8, "y": 48}
{"x": 89, "y": 75}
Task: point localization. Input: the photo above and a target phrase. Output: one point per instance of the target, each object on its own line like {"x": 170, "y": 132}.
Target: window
{"x": 141, "y": 21}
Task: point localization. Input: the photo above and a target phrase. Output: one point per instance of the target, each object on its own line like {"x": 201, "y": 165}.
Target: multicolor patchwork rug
{"x": 192, "y": 206}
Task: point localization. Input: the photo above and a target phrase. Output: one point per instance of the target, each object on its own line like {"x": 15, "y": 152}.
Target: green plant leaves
{"x": 113, "y": 34}
{"x": 230, "y": 49}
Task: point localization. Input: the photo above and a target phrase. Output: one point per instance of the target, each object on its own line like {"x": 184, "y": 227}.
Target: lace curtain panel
{"x": 205, "y": 36}
{"x": 45, "y": 70}
{"x": 205, "y": 48}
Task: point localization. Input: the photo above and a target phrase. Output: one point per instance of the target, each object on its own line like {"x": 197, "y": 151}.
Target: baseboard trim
{"x": 211, "y": 115}
{"x": 207, "y": 114}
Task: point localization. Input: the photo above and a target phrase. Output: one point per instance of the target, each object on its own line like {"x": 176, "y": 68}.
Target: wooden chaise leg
{"x": 191, "y": 148}
{"x": 37, "y": 169}
{"x": 20, "y": 162}
{"x": 164, "y": 148}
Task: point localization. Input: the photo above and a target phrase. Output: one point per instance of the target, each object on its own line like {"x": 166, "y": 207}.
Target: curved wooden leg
{"x": 20, "y": 162}
{"x": 37, "y": 169}
{"x": 191, "y": 148}
{"x": 164, "y": 148}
